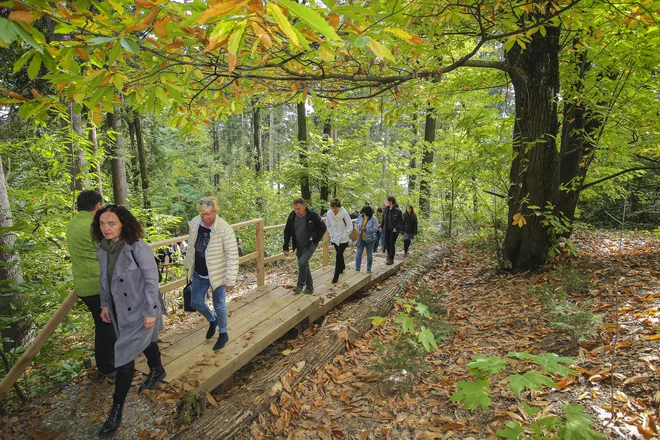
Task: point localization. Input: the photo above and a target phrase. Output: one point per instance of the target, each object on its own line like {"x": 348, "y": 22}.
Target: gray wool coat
{"x": 135, "y": 295}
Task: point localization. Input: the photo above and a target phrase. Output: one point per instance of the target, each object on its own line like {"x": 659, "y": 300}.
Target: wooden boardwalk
{"x": 256, "y": 320}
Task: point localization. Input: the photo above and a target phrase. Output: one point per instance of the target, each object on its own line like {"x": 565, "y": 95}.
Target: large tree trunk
{"x": 534, "y": 175}
{"x": 256, "y": 137}
{"x": 216, "y": 152}
{"x": 427, "y": 163}
{"x": 271, "y": 140}
{"x": 144, "y": 177}
{"x": 235, "y": 414}
{"x": 97, "y": 160}
{"x": 305, "y": 191}
{"x": 19, "y": 331}
{"x": 412, "y": 166}
{"x": 135, "y": 165}
{"x": 325, "y": 188}
{"x": 118, "y": 163}
{"x": 76, "y": 153}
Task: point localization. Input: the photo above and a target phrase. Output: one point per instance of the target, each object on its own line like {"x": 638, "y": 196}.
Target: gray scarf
{"x": 113, "y": 250}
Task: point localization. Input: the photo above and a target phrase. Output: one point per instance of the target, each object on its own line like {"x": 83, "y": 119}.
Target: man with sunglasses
{"x": 305, "y": 229}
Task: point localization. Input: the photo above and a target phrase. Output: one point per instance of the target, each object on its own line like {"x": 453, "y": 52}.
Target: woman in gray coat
{"x": 130, "y": 300}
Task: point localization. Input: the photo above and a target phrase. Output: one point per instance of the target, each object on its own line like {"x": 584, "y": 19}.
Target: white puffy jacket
{"x": 221, "y": 252}
{"x": 339, "y": 226}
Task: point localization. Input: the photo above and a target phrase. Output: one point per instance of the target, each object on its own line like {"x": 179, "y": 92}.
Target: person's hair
{"x": 88, "y": 199}
{"x": 367, "y": 203}
{"x": 299, "y": 201}
{"x": 335, "y": 203}
{"x": 368, "y": 211}
{"x": 204, "y": 208}
{"x": 393, "y": 200}
{"x": 131, "y": 230}
{"x": 412, "y": 210}
{"x": 379, "y": 210}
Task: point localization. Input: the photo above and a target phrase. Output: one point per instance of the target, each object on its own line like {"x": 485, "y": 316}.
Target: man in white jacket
{"x": 340, "y": 227}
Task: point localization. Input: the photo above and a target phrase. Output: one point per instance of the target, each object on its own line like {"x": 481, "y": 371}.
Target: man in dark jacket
{"x": 305, "y": 229}
{"x": 391, "y": 226}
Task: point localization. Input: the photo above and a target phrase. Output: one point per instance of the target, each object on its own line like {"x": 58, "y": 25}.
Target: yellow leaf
{"x": 381, "y": 51}
{"x": 159, "y": 28}
{"x": 283, "y": 23}
{"x": 262, "y": 34}
{"x": 654, "y": 337}
{"x": 97, "y": 116}
{"x": 405, "y": 36}
{"x": 519, "y": 219}
{"x": 220, "y": 8}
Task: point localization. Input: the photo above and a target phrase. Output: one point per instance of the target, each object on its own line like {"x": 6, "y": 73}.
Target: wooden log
{"x": 235, "y": 414}
{"x": 261, "y": 254}
{"x": 36, "y": 345}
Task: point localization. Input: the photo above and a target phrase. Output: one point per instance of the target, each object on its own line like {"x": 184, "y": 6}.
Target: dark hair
{"x": 335, "y": 203}
{"x": 393, "y": 200}
{"x": 131, "y": 230}
{"x": 379, "y": 210}
{"x": 299, "y": 201}
{"x": 368, "y": 211}
{"x": 412, "y": 210}
{"x": 88, "y": 199}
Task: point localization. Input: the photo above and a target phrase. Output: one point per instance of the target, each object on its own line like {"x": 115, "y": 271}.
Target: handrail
{"x": 37, "y": 344}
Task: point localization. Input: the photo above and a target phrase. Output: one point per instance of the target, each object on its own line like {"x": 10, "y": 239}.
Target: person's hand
{"x": 380, "y": 229}
{"x": 149, "y": 322}
{"x": 105, "y": 315}
{"x": 394, "y": 230}
{"x": 286, "y": 253}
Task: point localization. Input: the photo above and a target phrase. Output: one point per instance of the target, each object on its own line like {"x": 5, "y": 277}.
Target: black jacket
{"x": 410, "y": 223}
{"x": 314, "y": 224}
{"x": 397, "y": 219}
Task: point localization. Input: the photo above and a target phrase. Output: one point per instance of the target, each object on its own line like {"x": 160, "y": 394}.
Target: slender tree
{"x": 118, "y": 161}
{"x": 142, "y": 157}
{"x": 427, "y": 163}
{"x": 305, "y": 190}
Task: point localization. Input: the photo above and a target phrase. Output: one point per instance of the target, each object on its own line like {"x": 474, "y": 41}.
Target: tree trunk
{"x": 534, "y": 175}
{"x": 21, "y": 330}
{"x": 144, "y": 177}
{"x": 118, "y": 163}
{"x": 325, "y": 188}
{"x": 427, "y": 163}
{"x": 256, "y": 137}
{"x": 236, "y": 413}
{"x": 135, "y": 165}
{"x": 305, "y": 191}
{"x": 271, "y": 140}
{"x": 97, "y": 160}
{"x": 76, "y": 153}
{"x": 216, "y": 152}
{"x": 412, "y": 171}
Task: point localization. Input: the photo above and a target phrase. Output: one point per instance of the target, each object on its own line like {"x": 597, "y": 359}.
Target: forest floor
{"x": 487, "y": 313}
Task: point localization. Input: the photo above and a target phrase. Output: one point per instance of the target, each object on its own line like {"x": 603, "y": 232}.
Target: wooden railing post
{"x": 326, "y": 249}
{"x": 36, "y": 345}
{"x": 261, "y": 254}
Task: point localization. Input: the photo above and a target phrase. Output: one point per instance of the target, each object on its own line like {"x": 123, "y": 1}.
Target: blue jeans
{"x": 198, "y": 301}
{"x": 369, "y": 246}
{"x": 304, "y": 273}
{"x": 383, "y": 243}
{"x": 376, "y": 241}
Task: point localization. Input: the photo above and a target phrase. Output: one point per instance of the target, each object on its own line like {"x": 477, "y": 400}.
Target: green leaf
{"x": 100, "y": 40}
{"x": 236, "y": 38}
{"x": 130, "y": 45}
{"x": 578, "y": 425}
{"x": 427, "y": 339}
{"x": 361, "y": 41}
{"x": 546, "y": 423}
{"x": 7, "y": 33}
{"x": 406, "y": 322}
{"x": 113, "y": 54}
{"x": 283, "y": 23}
{"x": 23, "y": 59}
{"x": 423, "y": 310}
{"x": 376, "y": 320}
{"x": 512, "y": 431}
{"x": 533, "y": 380}
{"x": 313, "y": 19}
{"x": 482, "y": 366}
{"x": 25, "y": 35}
{"x": 472, "y": 394}
{"x": 552, "y": 364}
{"x": 35, "y": 66}
{"x": 379, "y": 50}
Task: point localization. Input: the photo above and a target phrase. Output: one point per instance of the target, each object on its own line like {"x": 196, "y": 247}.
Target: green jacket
{"x": 82, "y": 249}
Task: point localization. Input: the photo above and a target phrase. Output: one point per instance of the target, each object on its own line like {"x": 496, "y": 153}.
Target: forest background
{"x": 511, "y": 123}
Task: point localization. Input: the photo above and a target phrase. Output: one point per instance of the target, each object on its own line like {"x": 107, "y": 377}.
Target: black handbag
{"x": 187, "y": 295}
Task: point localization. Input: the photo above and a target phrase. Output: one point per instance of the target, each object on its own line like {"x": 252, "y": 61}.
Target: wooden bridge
{"x": 257, "y": 319}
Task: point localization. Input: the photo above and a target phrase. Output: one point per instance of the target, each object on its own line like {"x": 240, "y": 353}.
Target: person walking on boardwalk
{"x": 367, "y": 226}
{"x": 212, "y": 262}
{"x": 86, "y": 272}
{"x": 409, "y": 227}
{"x": 305, "y": 229}
{"x": 339, "y": 226}
{"x": 130, "y": 301}
{"x": 379, "y": 218}
{"x": 391, "y": 226}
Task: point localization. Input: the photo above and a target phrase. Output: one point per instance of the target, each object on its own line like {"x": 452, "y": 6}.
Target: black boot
{"x": 113, "y": 422}
{"x": 222, "y": 340}
{"x": 156, "y": 374}
{"x": 211, "y": 331}
{"x": 335, "y": 278}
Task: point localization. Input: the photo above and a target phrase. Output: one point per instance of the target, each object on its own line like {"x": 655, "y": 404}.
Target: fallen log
{"x": 233, "y": 415}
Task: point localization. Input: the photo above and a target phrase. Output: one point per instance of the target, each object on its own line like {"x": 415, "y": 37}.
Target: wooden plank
{"x": 274, "y": 258}
{"x": 247, "y": 223}
{"x": 261, "y": 253}
{"x": 33, "y": 349}
{"x": 248, "y": 257}
{"x": 326, "y": 248}
{"x": 157, "y": 244}
{"x": 239, "y": 352}
{"x": 337, "y": 293}
{"x": 240, "y": 325}
{"x": 270, "y": 228}
{"x": 172, "y": 285}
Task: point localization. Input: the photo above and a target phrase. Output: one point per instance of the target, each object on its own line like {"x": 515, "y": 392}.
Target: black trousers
{"x": 104, "y": 336}
{"x": 390, "y": 241}
{"x": 406, "y": 245}
{"x": 340, "y": 264}
{"x": 125, "y": 372}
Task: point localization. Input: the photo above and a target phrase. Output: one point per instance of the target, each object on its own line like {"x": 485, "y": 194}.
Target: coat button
{"x": 129, "y": 309}
{"x": 155, "y": 306}
{"x": 121, "y": 280}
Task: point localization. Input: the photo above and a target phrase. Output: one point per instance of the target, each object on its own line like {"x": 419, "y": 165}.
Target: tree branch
{"x": 596, "y": 182}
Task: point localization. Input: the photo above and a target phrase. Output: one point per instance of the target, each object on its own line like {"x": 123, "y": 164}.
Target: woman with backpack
{"x": 367, "y": 226}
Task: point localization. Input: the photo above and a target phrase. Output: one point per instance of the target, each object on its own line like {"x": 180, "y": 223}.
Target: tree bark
{"x": 325, "y": 187}
{"x": 216, "y": 152}
{"x": 97, "y": 160}
{"x": 256, "y": 137}
{"x": 412, "y": 172}
{"x": 144, "y": 177}
{"x": 118, "y": 162}
{"x": 305, "y": 191}
{"x": 135, "y": 165}
{"x": 271, "y": 140}
{"x": 427, "y": 163}
{"x": 76, "y": 153}
{"x": 235, "y": 414}
{"x": 21, "y": 330}
{"x": 534, "y": 174}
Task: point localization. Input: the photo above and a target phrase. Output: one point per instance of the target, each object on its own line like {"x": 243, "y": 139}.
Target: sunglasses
{"x": 207, "y": 202}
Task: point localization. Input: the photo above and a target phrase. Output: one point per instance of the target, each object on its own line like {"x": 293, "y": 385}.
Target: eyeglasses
{"x": 203, "y": 202}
